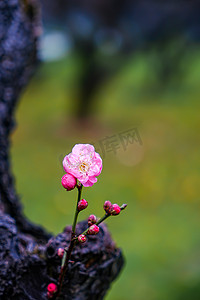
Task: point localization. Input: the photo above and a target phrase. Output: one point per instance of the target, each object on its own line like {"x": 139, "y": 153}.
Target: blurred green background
{"x": 159, "y": 180}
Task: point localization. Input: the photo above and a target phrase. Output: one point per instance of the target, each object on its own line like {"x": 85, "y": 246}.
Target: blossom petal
{"x": 83, "y": 163}
{"x": 88, "y": 183}
{"x": 83, "y": 149}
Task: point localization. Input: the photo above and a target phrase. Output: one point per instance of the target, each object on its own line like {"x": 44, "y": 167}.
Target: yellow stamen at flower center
{"x": 84, "y": 167}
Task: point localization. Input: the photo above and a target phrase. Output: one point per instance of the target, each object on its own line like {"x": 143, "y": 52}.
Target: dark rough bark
{"x": 26, "y": 267}
{"x": 19, "y": 28}
{"x": 28, "y": 260}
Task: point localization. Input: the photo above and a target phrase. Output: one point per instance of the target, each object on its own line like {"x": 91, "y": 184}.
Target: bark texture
{"x": 28, "y": 259}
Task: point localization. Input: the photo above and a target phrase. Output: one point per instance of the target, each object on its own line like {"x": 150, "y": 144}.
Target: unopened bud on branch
{"x": 82, "y": 204}
{"x": 82, "y": 238}
{"x": 68, "y": 182}
{"x": 60, "y": 252}
{"x": 93, "y": 229}
{"x": 52, "y": 289}
{"x": 92, "y": 219}
{"x": 115, "y": 209}
{"x": 107, "y": 206}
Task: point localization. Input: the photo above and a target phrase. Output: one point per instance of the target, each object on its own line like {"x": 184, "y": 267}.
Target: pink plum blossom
{"x": 83, "y": 163}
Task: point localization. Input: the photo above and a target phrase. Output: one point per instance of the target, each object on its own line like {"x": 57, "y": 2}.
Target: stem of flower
{"x": 123, "y": 206}
{"x": 102, "y": 219}
{"x": 97, "y": 223}
{"x": 76, "y": 212}
{"x": 67, "y": 254}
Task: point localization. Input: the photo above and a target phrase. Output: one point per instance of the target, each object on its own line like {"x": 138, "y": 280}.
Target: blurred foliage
{"x": 159, "y": 180}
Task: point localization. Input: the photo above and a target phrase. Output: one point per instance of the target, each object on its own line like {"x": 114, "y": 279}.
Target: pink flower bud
{"x": 93, "y": 229}
{"x": 60, "y": 252}
{"x": 82, "y": 204}
{"x": 107, "y": 206}
{"x": 52, "y": 288}
{"x": 115, "y": 209}
{"x": 82, "y": 238}
{"x": 68, "y": 182}
{"x": 92, "y": 219}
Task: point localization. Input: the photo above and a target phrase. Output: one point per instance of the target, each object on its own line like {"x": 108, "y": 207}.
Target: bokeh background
{"x": 108, "y": 67}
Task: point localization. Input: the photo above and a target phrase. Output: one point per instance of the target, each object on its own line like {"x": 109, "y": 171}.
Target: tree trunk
{"x": 28, "y": 259}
